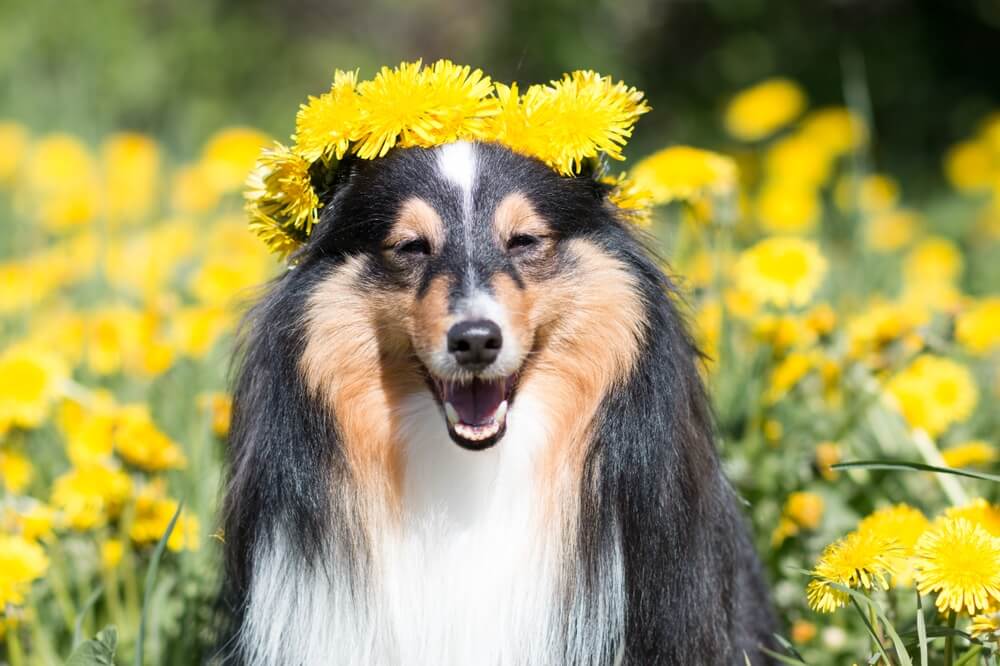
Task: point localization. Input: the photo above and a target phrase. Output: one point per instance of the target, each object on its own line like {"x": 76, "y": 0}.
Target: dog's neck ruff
{"x": 476, "y": 570}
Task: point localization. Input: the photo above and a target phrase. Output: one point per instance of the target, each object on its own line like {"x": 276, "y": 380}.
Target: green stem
{"x": 14, "y": 652}
{"x": 949, "y": 641}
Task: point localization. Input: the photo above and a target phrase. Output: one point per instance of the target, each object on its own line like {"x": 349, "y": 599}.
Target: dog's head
{"x": 474, "y": 274}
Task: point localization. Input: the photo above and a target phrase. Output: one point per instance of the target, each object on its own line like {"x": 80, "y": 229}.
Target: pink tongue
{"x": 475, "y": 402}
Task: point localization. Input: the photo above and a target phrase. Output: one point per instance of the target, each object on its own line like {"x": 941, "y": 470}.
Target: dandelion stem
{"x": 949, "y": 641}
{"x": 14, "y": 652}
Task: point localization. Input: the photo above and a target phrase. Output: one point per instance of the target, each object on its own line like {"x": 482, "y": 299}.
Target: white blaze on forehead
{"x": 457, "y": 163}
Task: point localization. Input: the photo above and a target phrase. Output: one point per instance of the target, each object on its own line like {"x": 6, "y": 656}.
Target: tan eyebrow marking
{"x": 515, "y": 215}
{"x": 417, "y": 219}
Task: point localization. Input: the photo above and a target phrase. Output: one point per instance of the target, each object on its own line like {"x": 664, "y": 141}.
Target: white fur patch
{"x": 471, "y": 574}
{"x": 457, "y": 162}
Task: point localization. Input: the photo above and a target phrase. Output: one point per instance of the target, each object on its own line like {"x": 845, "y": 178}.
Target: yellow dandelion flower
{"x": 805, "y": 509}
{"x": 904, "y": 524}
{"x": 798, "y": 162}
{"x": 972, "y": 452}
{"x": 875, "y": 193}
{"x": 836, "y": 129}
{"x": 827, "y": 455}
{"x": 153, "y": 512}
{"x": 16, "y": 471}
{"x": 960, "y": 561}
{"x": 863, "y": 560}
{"x": 986, "y": 627}
{"x": 36, "y": 522}
{"x": 325, "y": 124}
{"x": 131, "y": 176}
{"x": 230, "y": 154}
{"x": 195, "y": 330}
{"x": 463, "y": 102}
{"x": 192, "y": 190}
{"x": 219, "y": 407}
{"x": 934, "y": 259}
{"x": 394, "y": 103}
{"x": 683, "y": 173}
{"x": 978, "y": 328}
{"x": 30, "y": 379}
{"x": 142, "y": 444}
{"x": 789, "y": 372}
{"x": 21, "y": 563}
{"x": 891, "y": 230}
{"x": 14, "y": 140}
{"x": 784, "y": 209}
{"x": 932, "y": 393}
{"x": 111, "y": 553}
{"x": 763, "y": 109}
{"x": 781, "y": 271}
{"x": 633, "y": 200}
{"x": 978, "y": 512}
{"x": 880, "y": 324}
{"x": 89, "y": 495}
{"x": 114, "y": 336}
{"x": 62, "y": 176}
{"x": 281, "y": 202}
{"x": 971, "y": 166}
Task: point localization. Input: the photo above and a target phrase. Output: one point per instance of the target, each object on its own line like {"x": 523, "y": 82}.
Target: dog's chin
{"x": 475, "y": 410}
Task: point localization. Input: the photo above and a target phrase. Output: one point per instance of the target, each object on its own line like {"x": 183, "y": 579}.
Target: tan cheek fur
{"x": 589, "y": 328}
{"x": 358, "y": 360}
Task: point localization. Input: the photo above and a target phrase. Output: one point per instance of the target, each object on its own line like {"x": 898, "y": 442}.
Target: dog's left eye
{"x": 520, "y": 242}
{"x": 415, "y": 246}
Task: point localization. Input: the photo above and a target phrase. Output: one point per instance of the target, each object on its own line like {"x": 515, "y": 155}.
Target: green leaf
{"x": 858, "y": 598}
{"x": 782, "y": 658}
{"x": 154, "y": 565}
{"x": 915, "y": 466}
{"x": 921, "y": 631}
{"x": 789, "y": 647}
{"x": 100, "y": 651}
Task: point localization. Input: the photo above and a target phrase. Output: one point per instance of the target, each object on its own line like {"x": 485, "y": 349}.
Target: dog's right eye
{"x": 416, "y": 246}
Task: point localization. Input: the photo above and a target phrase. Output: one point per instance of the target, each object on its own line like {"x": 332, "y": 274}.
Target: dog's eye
{"x": 415, "y": 246}
{"x": 521, "y": 242}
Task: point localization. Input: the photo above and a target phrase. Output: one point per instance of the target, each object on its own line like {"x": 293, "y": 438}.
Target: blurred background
{"x": 836, "y": 233}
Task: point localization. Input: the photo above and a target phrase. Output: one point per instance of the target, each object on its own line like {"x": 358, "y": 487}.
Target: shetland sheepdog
{"x": 469, "y": 428}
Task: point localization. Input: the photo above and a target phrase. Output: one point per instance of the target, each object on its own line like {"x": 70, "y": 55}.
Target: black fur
{"x": 652, "y": 479}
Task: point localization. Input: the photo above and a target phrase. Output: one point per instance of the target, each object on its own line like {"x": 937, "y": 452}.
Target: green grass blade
{"x": 904, "y": 656}
{"x": 781, "y": 657}
{"x": 915, "y": 466}
{"x": 154, "y": 565}
{"x": 921, "y": 631}
{"x": 871, "y": 630}
{"x": 87, "y": 605}
{"x": 789, "y": 647}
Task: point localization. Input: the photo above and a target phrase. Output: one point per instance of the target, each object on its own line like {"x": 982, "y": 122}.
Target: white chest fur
{"x": 470, "y": 576}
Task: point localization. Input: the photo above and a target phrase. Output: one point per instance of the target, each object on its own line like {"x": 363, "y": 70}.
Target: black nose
{"x": 475, "y": 344}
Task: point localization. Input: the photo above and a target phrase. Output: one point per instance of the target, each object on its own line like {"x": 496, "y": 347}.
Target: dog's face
{"x": 472, "y": 269}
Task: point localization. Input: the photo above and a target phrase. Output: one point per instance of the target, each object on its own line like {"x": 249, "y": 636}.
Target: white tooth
{"x": 450, "y": 412}
{"x": 501, "y": 414}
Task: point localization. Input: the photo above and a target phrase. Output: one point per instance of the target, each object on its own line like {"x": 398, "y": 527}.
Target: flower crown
{"x": 566, "y": 124}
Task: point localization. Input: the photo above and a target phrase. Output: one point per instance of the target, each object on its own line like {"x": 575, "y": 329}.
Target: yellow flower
{"x": 784, "y": 209}
{"x": 972, "y": 452}
{"x": 36, "y": 521}
{"x": 773, "y": 431}
{"x": 142, "y": 444}
{"x": 132, "y": 176}
{"x": 761, "y": 110}
{"x": 144, "y": 263}
{"x": 21, "y": 562}
{"x": 827, "y": 455}
{"x": 805, "y": 508}
{"x": 89, "y": 431}
{"x": 13, "y": 149}
{"x": 222, "y": 279}
{"x": 986, "y": 627}
{"x": 781, "y": 271}
{"x": 836, "y": 129}
{"x": 960, "y": 561}
{"x": 905, "y": 525}
{"x": 230, "y": 154}
{"x": 803, "y": 631}
{"x": 153, "y": 512}
{"x": 708, "y": 328}
{"x": 971, "y": 166}
{"x": 568, "y": 121}
{"x": 196, "y": 329}
{"x": 16, "y": 471}
{"x": 30, "y": 379}
{"x": 324, "y": 125}
{"x": 934, "y": 259}
{"x": 683, "y": 173}
{"x": 876, "y": 193}
{"x": 63, "y": 178}
{"x": 281, "y": 202}
{"x": 632, "y": 199}
{"x": 979, "y": 512}
{"x": 863, "y": 560}
{"x": 90, "y": 494}
{"x": 978, "y": 328}
{"x": 932, "y": 393}
{"x": 114, "y": 335}
{"x": 111, "y": 553}
{"x": 891, "y": 230}
{"x": 462, "y": 102}
{"x": 219, "y": 407}
{"x": 193, "y": 191}
{"x": 880, "y": 324}
{"x": 798, "y": 162}
{"x": 788, "y": 373}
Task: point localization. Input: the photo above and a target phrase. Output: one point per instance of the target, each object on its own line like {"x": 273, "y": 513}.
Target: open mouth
{"x": 476, "y": 410}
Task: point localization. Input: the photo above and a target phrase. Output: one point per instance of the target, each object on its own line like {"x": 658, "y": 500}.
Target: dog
{"x": 469, "y": 428}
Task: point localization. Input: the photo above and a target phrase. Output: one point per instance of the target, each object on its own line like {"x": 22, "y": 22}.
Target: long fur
{"x": 654, "y": 567}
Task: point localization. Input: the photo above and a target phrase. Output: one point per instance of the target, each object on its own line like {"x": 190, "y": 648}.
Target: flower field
{"x": 850, "y": 321}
